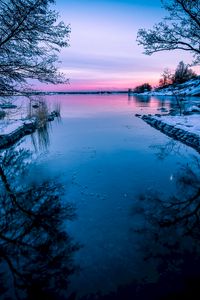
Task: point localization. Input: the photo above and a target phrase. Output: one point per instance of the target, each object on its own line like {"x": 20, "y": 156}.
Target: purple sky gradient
{"x": 103, "y": 52}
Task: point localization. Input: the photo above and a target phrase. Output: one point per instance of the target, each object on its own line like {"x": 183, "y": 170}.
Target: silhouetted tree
{"x": 166, "y": 78}
{"x": 146, "y": 87}
{"x": 30, "y": 38}
{"x": 179, "y": 30}
{"x": 36, "y": 252}
{"x": 183, "y": 73}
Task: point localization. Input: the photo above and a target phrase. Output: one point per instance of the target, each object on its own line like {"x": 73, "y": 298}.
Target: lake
{"x": 106, "y": 158}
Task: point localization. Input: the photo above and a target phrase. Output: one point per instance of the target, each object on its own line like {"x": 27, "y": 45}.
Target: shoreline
{"x": 189, "y": 138}
{"x": 8, "y": 140}
{"x": 26, "y": 127}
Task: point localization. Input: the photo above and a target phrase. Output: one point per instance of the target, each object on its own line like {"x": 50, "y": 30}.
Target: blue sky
{"x": 103, "y": 52}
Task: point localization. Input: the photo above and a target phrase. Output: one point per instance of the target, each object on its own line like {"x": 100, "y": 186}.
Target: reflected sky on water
{"x": 105, "y": 157}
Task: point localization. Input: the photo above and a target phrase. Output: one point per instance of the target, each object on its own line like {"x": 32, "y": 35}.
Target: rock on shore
{"x": 181, "y": 128}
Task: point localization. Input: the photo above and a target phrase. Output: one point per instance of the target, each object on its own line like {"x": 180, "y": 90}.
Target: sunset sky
{"x": 103, "y": 52}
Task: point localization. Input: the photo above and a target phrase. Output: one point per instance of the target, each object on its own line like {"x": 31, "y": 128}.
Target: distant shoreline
{"x": 76, "y": 93}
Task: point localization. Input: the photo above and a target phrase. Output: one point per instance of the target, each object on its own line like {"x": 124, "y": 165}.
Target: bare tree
{"x": 183, "y": 73}
{"x": 179, "y": 30}
{"x": 30, "y": 38}
{"x": 166, "y": 78}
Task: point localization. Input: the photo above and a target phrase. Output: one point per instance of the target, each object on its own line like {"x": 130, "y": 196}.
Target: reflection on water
{"x": 169, "y": 242}
{"x": 104, "y": 157}
{"x": 39, "y": 109}
{"x": 41, "y": 137}
{"x": 35, "y": 250}
{"x": 165, "y": 150}
{"x": 170, "y": 236}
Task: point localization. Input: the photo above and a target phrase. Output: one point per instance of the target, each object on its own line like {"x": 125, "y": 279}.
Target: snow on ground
{"x": 9, "y": 126}
{"x": 189, "y": 123}
{"x": 189, "y": 88}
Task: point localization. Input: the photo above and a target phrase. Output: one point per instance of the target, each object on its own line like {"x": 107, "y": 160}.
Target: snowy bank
{"x": 185, "y": 129}
{"x": 188, "y": 88}
{"x": 12, "y": 131}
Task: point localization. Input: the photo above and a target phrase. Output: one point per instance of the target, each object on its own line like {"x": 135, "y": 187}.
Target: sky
{"x": 103, "y": 52}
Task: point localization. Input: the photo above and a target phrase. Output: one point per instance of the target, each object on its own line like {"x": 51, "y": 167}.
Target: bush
{"x": 146, "y": 87}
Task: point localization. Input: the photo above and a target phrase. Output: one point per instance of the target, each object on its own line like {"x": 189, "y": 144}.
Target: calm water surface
{"x": 106, "y": 157}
